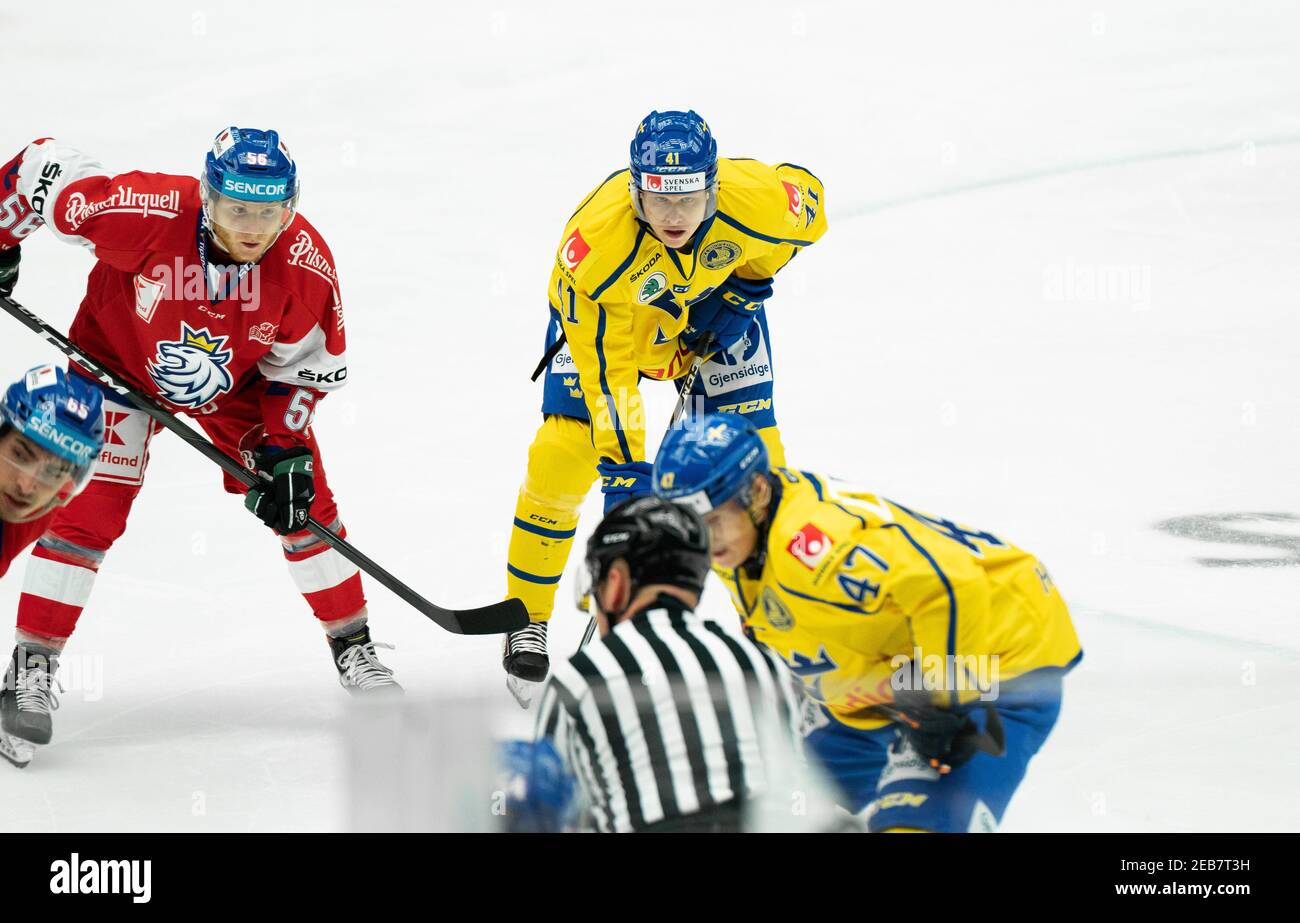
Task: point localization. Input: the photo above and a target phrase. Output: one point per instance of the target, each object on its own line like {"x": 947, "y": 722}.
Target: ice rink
{"x": 1058, "y": 299}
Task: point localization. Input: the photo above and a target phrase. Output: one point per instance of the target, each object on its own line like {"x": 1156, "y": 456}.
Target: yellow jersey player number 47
{"x": 933, "y": 652}
{"x": 677, "y": 253}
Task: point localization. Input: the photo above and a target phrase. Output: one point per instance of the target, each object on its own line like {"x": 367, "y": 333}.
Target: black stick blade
{"x": 498, "y": 618}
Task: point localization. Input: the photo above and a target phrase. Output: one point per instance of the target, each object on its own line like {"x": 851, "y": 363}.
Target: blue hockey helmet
{"x": 674, "y": 153}
{"x": 254, "y": 167}
{"x": 541, "y": 793}
{"x": 709, "y": 460}
{"x": 62, "y": 415}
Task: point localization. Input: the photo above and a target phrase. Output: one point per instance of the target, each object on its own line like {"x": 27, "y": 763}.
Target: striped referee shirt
{"x": 662, "y": 718}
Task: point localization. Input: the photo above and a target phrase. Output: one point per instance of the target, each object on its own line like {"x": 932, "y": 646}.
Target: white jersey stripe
{"x": 689, "y": 706}
{"x": 735, "y": 689}
{"x": 624, "y": 699}
{"x": 701, "y": 698}
{"x": 670, "y": 725}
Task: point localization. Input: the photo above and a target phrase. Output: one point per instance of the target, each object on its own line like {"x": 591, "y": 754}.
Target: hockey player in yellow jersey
{"x": 672, "y": 257}
{"x": 935, "y": 651}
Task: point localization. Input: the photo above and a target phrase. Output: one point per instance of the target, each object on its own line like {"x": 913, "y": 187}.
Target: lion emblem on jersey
{"x": 191, "y": 371}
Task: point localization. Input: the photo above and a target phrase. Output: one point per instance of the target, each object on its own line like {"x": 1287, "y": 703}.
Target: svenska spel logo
{"x": 575, "y": 250}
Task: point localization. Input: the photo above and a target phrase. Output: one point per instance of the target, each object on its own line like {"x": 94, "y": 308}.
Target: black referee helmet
{"x": 660, "y": 541}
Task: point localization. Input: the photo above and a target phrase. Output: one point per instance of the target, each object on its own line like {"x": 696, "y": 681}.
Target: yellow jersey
{"x": 623, "y": 297}
{"x": 853, "y": 585}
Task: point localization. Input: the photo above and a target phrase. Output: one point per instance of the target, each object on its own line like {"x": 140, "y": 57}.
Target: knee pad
{"x": 561, "y": 465}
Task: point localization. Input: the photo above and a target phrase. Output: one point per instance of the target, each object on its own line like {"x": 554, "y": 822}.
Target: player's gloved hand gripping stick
{"x": 510, "y": 615}
{"x": 724, "y": 315}
{"x": 9, "y": 269}
{"x": 285, "y": 502}
{"x": 944, "y": 738}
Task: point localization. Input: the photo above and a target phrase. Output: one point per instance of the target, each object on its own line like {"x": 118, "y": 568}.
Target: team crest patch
{"x": 809, "y": 545}
{"x": 775, "y": 611}
{"x": 263, "y": 333}
{"x": 719, "y": 254}
{"x": 192, "y": 371}
{"x": 652, "y": 287}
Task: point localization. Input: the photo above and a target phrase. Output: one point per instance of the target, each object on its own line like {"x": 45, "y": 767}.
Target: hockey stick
{"x": 586, "y": 635}
{"x": 510, "y": 615}
{"x": 687, "y": 383}
{"x": 701, "y": 357}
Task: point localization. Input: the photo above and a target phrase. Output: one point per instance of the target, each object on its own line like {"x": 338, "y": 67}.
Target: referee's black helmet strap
{"x": 662, "y": 543}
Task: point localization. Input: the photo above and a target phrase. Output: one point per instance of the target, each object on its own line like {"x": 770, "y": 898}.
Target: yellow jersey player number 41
{"x": 674, "y": 255}
{"x": 933, "y": 652}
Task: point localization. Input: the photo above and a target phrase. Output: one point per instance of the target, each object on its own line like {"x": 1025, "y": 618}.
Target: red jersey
{"x": 14, "y": 537}
{"x": 157, "y": 310}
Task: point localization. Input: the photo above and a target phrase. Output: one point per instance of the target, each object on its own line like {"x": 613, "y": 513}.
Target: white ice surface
{"x": 972, "y": 160}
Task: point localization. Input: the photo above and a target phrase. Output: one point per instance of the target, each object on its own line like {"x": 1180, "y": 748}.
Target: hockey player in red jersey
{"x": 216, "y": 296}
{"x": 51, "y": 431}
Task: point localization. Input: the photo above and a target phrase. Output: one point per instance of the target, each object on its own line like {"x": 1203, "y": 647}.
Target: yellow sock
{"x": 561, "y": 469}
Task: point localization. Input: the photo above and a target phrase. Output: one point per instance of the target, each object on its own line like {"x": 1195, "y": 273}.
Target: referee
{"x": 666, "y": 719}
